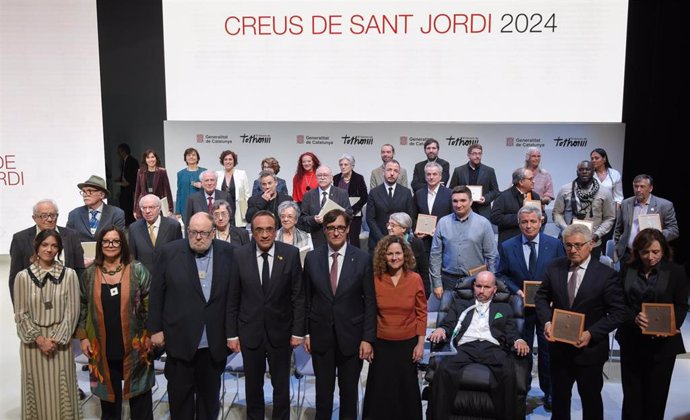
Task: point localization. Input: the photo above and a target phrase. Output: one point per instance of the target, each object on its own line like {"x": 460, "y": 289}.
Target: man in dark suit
{"x": 129, "y": 166}
{"x": 474, "y": 173}
{"x": 433, "y": 198}
{"x": 506, "y": 206}
{"x": 525, "y": 257}
{"x": 94, "y": 215}
{"x": 341, "y": 315}
{"x": 386, "y": 199}
{"x": 269, "y": 199}
{"x": 483, "y": 332}
{"x": 152, "y": 231}
{"x": 222, "y": 215}
{"x": 310, "y": 219}
{"x": 579, "y": 283}
{"x": 431, "y": 149}
{"x": 187, "y": 317}
{"x": 266, "y": 314}
{"x": 45, "y": 214}
{"x": 644, "y": 202}
{"x": 204, "y": 199}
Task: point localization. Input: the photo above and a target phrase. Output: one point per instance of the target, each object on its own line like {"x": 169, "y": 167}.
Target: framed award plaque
{"x": 567, "y": 326}
{"x": 661, "y": 319}
{"x": 529, "y": 290}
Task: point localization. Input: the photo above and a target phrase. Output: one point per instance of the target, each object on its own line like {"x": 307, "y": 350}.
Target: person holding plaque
{"x": 356, "y": 188}
{"x": 152, "y": 178}
{"x": 399, "y": 224}
{"x": 647, "y": 361}
{"x": 474, "y": 172}
{"x": 525, "y": 257}
{"x": 432, "y": 199}
{"x": 506, "y": 205}
{"x": 581, "y": 284}
{"x": 633, "y": 209}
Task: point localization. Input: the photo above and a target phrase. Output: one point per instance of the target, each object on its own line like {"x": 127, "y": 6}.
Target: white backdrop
{"x": 562, "y": 145}
{"x": 50, "y": 107}
{"x": 375, "y": 60}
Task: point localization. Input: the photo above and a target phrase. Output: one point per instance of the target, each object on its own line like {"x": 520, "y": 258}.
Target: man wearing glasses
{"x": 505, "y": 209}
{"x": 311, "y": 219}
{"x": 476, "y": 173}
{"x": 580, "y": 283}
{"x": 341, "y": 315}
{"x": 90, "y": 218}
{"x": 151, "y": 231}
{"x": 45, "y": 214}
{"x": 188, "y": 302}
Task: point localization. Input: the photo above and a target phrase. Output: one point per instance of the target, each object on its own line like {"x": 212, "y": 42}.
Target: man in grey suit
{"x": 642, "y": 203}
{"x": 94, "y": 215}
{"x": 152, "y": 231}
{"x": 45, "y": 214}
{"x": 474, "y": 173}
{"x": 204, "y": 199}
{"x": 315, "y": 199}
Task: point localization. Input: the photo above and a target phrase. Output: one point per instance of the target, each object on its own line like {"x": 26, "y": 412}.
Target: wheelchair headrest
{"x": 464, "y": 290}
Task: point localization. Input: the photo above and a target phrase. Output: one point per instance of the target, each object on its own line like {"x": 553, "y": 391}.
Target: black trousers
{"x": 140, "y": 407}
{"x": 543, "y": 358}
{"x": 590, "y": 381}
{"x": 348, "y": 369}
{"x": 255, "y": 368}
{"x": 194, "y": 386}
{"x": 446, "y": 383}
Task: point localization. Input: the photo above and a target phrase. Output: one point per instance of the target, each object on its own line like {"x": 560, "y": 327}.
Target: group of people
{"x": 260, "y": 272}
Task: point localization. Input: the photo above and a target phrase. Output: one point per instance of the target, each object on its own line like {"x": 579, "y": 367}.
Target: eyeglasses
{"x": 340, "y": 229}
{"x": 578, "y": 245}
{"x": 203, "y": 233}
{"x": 115, "y": 243}
{"x": 393, "y": 225}
{"x": 47, "y": 216}
{"x": 261, "y": 231}
{"x": 86, "y": 193}
{"x": 220, "y": 214}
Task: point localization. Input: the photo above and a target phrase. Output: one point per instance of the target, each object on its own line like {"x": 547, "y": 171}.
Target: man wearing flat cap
{"x": 89, "y": 219}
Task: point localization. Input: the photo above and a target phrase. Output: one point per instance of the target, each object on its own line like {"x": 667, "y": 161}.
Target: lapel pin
{"x": 280, "y": 257}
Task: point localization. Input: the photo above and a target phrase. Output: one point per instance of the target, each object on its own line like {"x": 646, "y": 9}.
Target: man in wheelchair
{"x": 483, "y": 332}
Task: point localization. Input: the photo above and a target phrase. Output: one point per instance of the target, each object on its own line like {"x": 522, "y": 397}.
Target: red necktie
{"x": 210, "y": 204}
{"x": 334, "y": 272}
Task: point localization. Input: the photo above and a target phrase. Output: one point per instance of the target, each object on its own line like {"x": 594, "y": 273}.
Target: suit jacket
{"x": 502, "y": 326}
{"x": 421, "y": 255}
{"x": 512, "y": 267}
{"x": 22, "y": 248}
{"x": 351, "y": 312}
{"x": 603, "y": 214}
{"x": 242, "y": 194}
{"x": 256, "y": 203}
{"x": 380, "y": 207}
{"x": 279, "y": 313}
{"x": 657, "y": 205}
{"x": 599, "y": 298}
{"x": 419, "y": 177}
{"x": 311, "y": 206}
{"x": 504, "y": 212}
{"x": 356, "y": 188}
{"x": 140, "y": 242}
{"x": 177, "y": 305}
{"x": 486, "y": 178}
{"x": 197, "y": 203}
{"x": 161, "y": 189}
{"x": 443, "y": 204}
{"x": 78, "y": 219}
{"x": 671, "y": 287}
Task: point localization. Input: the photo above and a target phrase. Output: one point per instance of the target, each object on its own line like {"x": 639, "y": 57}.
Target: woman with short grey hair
{"x": 354, "y": 184}
{"x": 289, "y": 211}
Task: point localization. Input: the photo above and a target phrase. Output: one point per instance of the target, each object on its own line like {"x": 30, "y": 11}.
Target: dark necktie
{"x": 572, "y": 286}
{"x": 390, "y": 192}
{"x": 324, "y": 198}
{"x": 93, "y": 221}
{"x": 210, "y": 204}
{"x": 334, "y": 272}
{"x": 532, "y": 259}
{"x": 265, "y": 273}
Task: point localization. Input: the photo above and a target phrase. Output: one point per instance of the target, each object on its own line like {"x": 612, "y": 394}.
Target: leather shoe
{"x": 548, "y": 402}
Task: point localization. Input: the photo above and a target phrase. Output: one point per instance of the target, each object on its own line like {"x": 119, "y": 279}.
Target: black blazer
{"x": 504, "y": 212}
{"x": 419, "y": 177}
{"x": 239, "y": 236}
{"x": 277, "y": 314}
{"x": 443, "y": 204}
{"x": 421, "y": 255}
{"x": 311, "y": 206}
{"x": 671, "y": 287}
{"x": 380, "y": 207}
{"x": 22, "y": 248}
{"x": 600, "y": 298}
{"x": 140, "y": 242}
{"x": 356, "y": 188}
{"x": 78, "y": 219}
{"x": 196, "y": 203}
{"x": 351, "y": 312}
{"x": 256, "y": 203}
{"x": 177, "y": 305}
{"x": 502, "y": 326}
{"x": 486, "y": 178}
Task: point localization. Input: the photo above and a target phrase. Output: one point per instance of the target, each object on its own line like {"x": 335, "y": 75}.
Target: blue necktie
{"x": 93, "y": 221}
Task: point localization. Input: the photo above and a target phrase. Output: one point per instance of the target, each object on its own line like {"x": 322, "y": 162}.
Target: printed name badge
{"x": 202, "y": 274}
